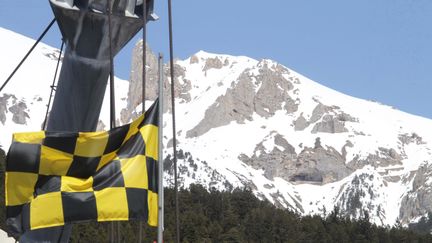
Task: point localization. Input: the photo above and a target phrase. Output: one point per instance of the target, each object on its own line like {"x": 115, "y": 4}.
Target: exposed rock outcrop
{"x": 181, "y": 86}
{"x": 320, "y": 165}
{"x": 383, "y": 157}
{"x": 301, "y": 123}
{"x": 235, "y": 105}
{"x": 418, "y": 201}
{"x": 273, "y": 92}
{"x": 278, "y": 162}
{"x": 193, "y": 59}
{"x": 3, "y": 107}
{"x": 327, "y": 119}
{"x": 330, "y": 124}
{"x": 318, "y": 112}
{"x": 313, "y": 165}
{"x": 243, "y": 99}
{"x": 17, "y": 108}
{"x": 19, "y": 111}
{"x": 411, "y": 138}
{"x": 215, "y": 63}
{"x": 135, "y": 87}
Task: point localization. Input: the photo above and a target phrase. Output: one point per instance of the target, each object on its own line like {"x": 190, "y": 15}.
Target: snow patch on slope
{"x": 31, "y": 84}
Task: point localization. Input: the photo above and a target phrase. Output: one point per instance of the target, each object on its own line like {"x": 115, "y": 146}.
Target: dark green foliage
{"x": 238, "y": 216}
{"x": 424, "y": 225}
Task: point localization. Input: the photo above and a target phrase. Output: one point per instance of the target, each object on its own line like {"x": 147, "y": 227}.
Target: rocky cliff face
{"x": 298, "y": 144}
{"x": 417, "y": 202}
{"x": 134, "y": 96}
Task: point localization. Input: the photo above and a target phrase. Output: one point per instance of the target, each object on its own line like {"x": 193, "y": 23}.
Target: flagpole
{"x": 160, "y": 153}
{"x": 114, "y": 225}
{"x": 144, "y": 74}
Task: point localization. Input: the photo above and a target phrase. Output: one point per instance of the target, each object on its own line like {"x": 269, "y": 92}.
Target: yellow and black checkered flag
{"x": 53, "y": 178}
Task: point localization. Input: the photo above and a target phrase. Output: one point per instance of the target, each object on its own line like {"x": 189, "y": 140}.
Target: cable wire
{"x": 144, "y": 72}
{"x": 144, "y": 55}
{"x": 28, "y": 54}
{"x": 173, "y": 121}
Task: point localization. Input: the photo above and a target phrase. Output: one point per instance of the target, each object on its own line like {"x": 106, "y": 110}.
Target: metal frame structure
{"x": 129, "y": 8}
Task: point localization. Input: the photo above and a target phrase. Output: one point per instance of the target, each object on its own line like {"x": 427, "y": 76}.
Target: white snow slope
{"x": 31, "y": 84}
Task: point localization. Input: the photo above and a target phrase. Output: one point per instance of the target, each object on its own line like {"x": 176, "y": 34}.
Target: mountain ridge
{"x": 257, "y": 124}
{"x": 363, "y": 137}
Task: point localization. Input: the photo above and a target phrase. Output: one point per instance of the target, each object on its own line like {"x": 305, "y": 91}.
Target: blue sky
{"x": 372, "y": 49}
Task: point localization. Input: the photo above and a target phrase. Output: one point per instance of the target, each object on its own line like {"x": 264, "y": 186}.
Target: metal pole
{"x": 144, "y": 72}
{"x": 174, "y": 122}
{"x": 112, "y": 96}
{"x": 112, "y": 93}
{"x": 160, "y": 153}
{"x": 27, "y": 55}
{"x": 44, "y": 127}
{"x": 144, "y": 57}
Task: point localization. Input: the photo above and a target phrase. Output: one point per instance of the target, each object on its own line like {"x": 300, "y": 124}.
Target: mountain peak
{"x": 258, "y": 124}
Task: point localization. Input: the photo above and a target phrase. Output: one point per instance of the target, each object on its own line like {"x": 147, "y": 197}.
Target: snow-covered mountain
{"x": 243, "y": 122}
{"x": 23, "y": 102}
